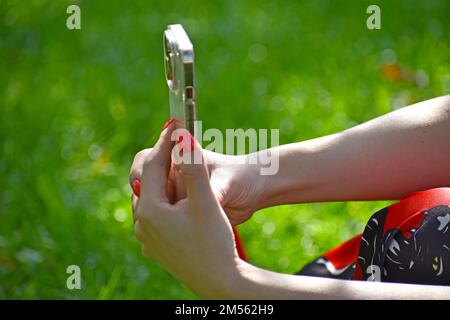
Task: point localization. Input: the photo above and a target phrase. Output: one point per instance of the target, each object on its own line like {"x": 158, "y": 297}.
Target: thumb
{"x": 188, "y": 157}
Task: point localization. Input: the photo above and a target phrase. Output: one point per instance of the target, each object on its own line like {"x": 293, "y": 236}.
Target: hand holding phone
{"x": 179, "y": 67}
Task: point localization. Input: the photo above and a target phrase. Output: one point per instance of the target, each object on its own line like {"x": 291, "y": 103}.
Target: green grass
{"x": 76, "y": 106}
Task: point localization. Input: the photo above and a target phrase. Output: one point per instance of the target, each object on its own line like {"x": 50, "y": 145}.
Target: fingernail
{"x": 136, "y": 186}
{"x": 168, "y": 123}
{"x": 186, "y": 142}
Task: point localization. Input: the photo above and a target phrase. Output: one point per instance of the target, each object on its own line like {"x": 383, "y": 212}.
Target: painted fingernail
{"x": 186, "y": 142}
{"x": 136, "y": 186}
{"x": 168, "y": 123}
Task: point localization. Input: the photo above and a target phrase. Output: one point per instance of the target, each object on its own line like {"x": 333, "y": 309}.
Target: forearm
{"x": 256, "y": 283}
{"x": 386, "y": 158}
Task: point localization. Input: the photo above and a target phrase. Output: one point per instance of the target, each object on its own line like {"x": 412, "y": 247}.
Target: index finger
{"x": 156, "y": 168}
{"x": 138, "y": 163}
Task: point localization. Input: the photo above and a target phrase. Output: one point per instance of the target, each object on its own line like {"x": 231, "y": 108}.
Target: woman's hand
{"x": 191, "y": 238}
{"x": 237, "y": 184}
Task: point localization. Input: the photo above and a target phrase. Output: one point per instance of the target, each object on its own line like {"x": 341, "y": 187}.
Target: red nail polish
{"x": 168, "y": 123}
{"x": 136, "y": 186}
{"x": 186, "y": 142}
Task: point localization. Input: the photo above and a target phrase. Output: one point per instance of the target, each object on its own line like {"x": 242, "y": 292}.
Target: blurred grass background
{"x": 75, "y": 106}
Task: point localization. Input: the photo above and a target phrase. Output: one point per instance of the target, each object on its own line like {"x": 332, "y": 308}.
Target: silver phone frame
{"x": 179, "y": 70}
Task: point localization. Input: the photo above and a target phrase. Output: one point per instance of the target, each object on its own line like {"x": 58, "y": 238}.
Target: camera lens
{"x": 169, "y": 60}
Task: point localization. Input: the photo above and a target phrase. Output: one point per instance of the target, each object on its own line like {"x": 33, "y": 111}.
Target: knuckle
{"x": 141, "y": 155}
{"x": 137, "y": 162}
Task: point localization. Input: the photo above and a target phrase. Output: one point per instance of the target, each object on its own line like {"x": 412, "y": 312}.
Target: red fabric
{"x": 239, "y": 245}
{"x": 358, "y": 275}
{"x": 404, "y": 215}
{"x": 408, "y": 213}
{"x": 344, "y": 254}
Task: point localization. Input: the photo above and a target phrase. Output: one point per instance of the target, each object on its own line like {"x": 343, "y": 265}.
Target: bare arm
{"x": 256, "y": 283}
{"x": 384, "y": 159}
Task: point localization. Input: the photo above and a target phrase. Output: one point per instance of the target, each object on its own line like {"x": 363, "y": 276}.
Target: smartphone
{"x": 179, "y": 67}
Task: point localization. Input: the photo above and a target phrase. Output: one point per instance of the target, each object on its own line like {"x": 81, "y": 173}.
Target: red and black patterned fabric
{"x": 407, "y": 242}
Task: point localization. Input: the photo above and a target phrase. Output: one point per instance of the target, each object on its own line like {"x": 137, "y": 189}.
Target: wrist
{"x": 228, "y": 283}
{"x": 262, "y": 173}
{"x": 298, "y": 176}
{"x": 238, "y": 283}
